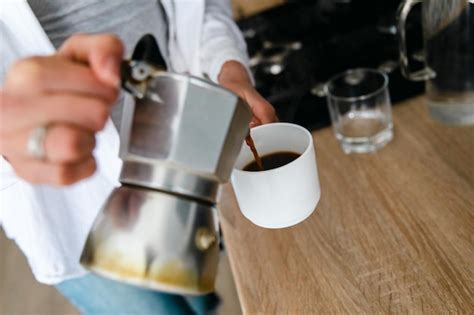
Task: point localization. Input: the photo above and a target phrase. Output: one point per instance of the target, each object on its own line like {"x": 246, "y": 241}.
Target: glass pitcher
{"x": 448, "y": 28}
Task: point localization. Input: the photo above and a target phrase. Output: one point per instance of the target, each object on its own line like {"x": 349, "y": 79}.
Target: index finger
{"x": 103, "y": 52}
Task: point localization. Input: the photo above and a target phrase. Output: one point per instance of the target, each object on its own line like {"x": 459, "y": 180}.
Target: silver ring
{"x": 35, "y": 145}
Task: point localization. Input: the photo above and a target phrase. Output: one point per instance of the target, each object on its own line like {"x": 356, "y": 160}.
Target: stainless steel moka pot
{"x": 159, "y": 229}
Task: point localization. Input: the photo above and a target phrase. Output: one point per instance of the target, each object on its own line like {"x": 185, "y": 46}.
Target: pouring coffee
{"x": 271, "y": 161}
{"x": 159, "y": 229}
{"x": 287, "y": 191}
{"x": 268, "y": 161}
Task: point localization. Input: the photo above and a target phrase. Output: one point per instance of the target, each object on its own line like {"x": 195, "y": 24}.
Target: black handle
{"x": 146, "y": 60}
{"x": 147, "y": 50}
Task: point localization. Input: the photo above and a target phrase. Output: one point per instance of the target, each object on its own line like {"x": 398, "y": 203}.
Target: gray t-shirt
{"x": 128, "y": 19}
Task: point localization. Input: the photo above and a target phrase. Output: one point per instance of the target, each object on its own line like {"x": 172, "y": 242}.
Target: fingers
{"x": 86, "y": 112}
{"x": 255, "y": 122}
{"x": 234, "y": 76}
{"x": 263, "y": 111}
{"x": 40, "y": 75}
{"x": 68, "y": 155}
{"x": 63, "y": 144}
{"x": 60, "y": 174}
{"x": 72, "y": 93}
{"x": 103, "y": 53}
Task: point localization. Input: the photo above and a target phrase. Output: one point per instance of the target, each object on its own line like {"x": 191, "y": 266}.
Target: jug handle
{"x": 421, "y": 75}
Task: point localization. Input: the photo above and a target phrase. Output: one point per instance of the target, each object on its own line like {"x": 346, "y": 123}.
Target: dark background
{"x": 296, "y": 47}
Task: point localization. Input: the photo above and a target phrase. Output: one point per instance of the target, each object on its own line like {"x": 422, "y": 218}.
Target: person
{"x": 59, "y": 127}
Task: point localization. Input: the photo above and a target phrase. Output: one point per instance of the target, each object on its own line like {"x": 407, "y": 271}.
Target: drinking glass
{"x": 360, "y": 108}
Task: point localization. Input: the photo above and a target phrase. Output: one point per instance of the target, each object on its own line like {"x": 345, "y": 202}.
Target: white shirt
{"x": 51, "y": 224}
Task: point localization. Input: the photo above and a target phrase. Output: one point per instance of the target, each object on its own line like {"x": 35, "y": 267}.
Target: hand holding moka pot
{"x": 159, "y": 229}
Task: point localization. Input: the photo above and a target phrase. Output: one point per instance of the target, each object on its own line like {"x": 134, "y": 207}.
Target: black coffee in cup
{"x": 272, "y": 160}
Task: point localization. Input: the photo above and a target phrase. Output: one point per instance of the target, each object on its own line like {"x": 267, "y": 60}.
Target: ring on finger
{"x": 36, "y": 142}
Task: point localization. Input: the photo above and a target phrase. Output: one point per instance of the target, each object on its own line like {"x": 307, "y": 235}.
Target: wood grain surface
{"x": 392, "y": 233}
{"x": 245, "y": 8}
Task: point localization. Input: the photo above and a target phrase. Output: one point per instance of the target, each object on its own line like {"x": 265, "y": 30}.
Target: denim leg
{"x": 94, "y": 295}
{"x": 204, "y": 304}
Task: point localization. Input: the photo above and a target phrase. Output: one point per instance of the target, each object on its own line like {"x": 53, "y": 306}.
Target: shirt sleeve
{"x": 221, "y": 39}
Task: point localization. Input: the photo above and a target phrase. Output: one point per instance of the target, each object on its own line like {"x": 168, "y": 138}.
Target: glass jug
{"x": 448, "y": 29}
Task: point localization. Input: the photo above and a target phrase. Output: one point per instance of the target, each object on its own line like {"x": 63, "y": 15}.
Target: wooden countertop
{"x": 393, "y": 231}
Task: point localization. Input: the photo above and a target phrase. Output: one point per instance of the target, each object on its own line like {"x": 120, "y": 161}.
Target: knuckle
{"x": 101, "y": 115}
{"x": 8, "y": 106}
{"x": 25, "y": 73}
{"x": 271, "y": 111}
{"x": 78, "y": 37}
{"x": 114, "y": 94}
{"x": 111, "y": 41}
{"x": 110, "y": 96}
{"x": 62, "y": 175}
{"x": 91, "y": 167}
{"x": 72, "y": 143}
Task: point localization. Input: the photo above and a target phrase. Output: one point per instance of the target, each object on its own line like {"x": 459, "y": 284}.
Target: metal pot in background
{"x": 159, "y": 230}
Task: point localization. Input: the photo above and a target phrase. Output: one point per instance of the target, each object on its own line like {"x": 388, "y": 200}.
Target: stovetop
{"x": 295, "y": 48}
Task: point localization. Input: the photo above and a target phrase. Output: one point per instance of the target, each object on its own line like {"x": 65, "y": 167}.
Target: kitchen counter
{"x": 393, "y": 231}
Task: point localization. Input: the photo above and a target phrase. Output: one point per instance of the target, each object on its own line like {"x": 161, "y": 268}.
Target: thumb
{"x": 103, "y": 53}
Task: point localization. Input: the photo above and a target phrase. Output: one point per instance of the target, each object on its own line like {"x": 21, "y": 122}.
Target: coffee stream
{"x": 268, "y": 161}
{"x": 252, "y": 147}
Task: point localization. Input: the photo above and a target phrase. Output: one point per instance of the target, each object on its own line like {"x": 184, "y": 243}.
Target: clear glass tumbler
{"x": 360, "y": 108}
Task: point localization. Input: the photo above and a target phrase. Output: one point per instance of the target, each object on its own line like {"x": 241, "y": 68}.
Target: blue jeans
{"x": 94, "y": 295}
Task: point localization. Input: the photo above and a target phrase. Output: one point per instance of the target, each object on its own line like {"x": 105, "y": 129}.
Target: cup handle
{"x": 421, "y": 75}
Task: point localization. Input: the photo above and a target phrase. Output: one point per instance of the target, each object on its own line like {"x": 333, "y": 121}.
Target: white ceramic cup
{"x": 283, "y": 196}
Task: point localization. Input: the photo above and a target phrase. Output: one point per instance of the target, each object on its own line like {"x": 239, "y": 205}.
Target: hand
{"x": 71, "y": 93}
{"x": 234, "y": 77}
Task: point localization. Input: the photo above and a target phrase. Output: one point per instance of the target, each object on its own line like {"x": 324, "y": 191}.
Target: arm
{"x": 224, "y": 58}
